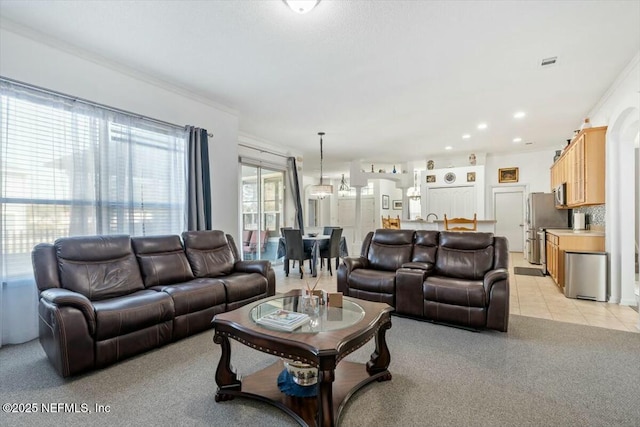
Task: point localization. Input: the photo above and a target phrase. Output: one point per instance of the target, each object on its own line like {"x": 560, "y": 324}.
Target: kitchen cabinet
{"x": 582, "y": 168}
{"x": 560, "y": 241}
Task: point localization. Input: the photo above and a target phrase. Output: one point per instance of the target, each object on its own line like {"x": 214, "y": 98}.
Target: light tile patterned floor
{"x": 530, "y": 296}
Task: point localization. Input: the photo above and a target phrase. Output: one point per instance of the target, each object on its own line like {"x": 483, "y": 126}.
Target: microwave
{"x": 560, "y": 195}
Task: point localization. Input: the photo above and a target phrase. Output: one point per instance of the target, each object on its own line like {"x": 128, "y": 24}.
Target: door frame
{"x": 522, "y": 188}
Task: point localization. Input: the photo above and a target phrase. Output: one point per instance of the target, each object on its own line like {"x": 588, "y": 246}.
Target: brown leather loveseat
{"x": 447, "y": 277}
{"x": 106, "y": 298}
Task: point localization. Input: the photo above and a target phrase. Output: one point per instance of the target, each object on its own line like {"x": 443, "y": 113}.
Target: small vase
{"x": 430, "y": 164}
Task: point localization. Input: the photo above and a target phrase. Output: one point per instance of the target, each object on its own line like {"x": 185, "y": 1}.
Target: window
{"x": 71, "y": 168}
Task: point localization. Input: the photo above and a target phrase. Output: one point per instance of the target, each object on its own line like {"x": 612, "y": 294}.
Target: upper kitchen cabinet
{"x": 582, "y": 167}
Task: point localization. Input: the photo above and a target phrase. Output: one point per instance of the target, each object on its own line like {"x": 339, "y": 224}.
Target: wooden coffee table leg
{"x": 325, "y": 396}
{"x": 225, "y": 377}
{"x": 381, "y": 357}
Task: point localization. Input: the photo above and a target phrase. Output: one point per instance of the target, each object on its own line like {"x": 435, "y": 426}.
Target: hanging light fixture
{"x": 301, "y": 6}
{"x": 321, "y": 191}
{"x": 344, "y": 189}
{"x": 413, "y": 193}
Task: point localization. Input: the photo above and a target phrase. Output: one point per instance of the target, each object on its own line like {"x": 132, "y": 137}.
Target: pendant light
{"x": 344, "y": 189}
{"x": 321, "y": 191}
{"x": 414, "y": 192}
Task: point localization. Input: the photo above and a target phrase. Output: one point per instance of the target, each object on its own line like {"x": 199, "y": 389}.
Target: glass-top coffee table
{"x": 331, "y": 335}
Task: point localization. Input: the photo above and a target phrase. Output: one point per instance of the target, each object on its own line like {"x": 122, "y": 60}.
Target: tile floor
{"x": 530, "y": 296}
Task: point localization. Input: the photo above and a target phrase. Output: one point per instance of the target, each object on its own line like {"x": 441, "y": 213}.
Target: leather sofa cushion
{"x": 425, "y": 247}
{"x": 98, "y": 267}
{"x": 208, "y": 252}
{"x": 464, "y": 255}
{"x": 390, "y": 249}
{"x": 162, "y": 260}
{"x": 466, "y": 293}
{"x": 377, "y": 281}
{"x": 244, "y": 286}
{"x": 122, "y": 315}
{"x": 195, "y": 295}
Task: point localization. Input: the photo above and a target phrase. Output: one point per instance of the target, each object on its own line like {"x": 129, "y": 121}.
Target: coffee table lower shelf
{"x": 262, "y": 385}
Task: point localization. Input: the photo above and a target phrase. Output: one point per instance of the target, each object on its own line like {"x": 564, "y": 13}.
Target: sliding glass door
{"x": 262, "y": 211}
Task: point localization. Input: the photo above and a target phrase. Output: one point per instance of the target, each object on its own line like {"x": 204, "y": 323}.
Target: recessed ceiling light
{"x": 519, "y": 115}
{"x": 482, "y": 126}
{"x": 448, "y": 147}
{"x": 516, "y": 140}
{"x": 466, "y": 136}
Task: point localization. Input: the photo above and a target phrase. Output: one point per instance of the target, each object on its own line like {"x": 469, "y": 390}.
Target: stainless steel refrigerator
{"x": 542, "y": 213}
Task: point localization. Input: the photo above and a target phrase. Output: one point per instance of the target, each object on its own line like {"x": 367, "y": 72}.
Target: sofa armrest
{"x": 496, "y": 285}
{"x": 425, "y": 266}
{"x": 409, "y": 290}
{"x": 262, "y": 267}
{"x": 63, "y": 297}
{"x": 493, "y": 276}
{"x": 344, "y": 270}
{"x": 253, "y": 266}
{"x": 353, "y": 263}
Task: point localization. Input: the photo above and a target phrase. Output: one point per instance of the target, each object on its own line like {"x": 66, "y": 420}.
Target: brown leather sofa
{"x": 447, "y": 277}
{"x": 106, "y": 298}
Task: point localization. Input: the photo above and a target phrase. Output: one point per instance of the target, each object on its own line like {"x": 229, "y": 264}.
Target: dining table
{"x": 313, "y": 243}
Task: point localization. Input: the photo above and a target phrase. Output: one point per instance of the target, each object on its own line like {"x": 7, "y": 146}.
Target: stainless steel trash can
{"x": 585, "y": 275}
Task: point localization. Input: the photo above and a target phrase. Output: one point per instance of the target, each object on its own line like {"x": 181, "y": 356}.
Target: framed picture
{"x": 385, "y": 201}
{"x": 507, "y": 175}
{"x": 431, "y": 178}
{"x": 471, "y": 177}
{"x": 397, "y": 205}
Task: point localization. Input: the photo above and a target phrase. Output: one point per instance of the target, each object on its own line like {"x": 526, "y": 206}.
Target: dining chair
{"x": 295, "y": 250}
{"x": 333, "y": 249}
{"x": 394, "y": 223}
{"x": 326, "y": 231}
{"x": 453, "y": 223}
{"x": 246, "y": 242}
{"x": 253, "y": 243}
{"x": 385, "y": 222}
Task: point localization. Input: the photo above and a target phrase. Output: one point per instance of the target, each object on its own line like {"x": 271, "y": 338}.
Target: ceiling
{"x": 388, "y": 81}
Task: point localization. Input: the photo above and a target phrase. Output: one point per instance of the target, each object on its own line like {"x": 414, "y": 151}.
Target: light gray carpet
{"x": 541, "y": 373}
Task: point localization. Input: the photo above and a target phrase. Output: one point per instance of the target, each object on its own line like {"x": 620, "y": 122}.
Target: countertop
{"x": 565, "y": 232}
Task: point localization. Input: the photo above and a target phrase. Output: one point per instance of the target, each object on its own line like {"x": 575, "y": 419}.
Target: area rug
{"x": 526, "y": 271}
{"x": 540, "y": 373}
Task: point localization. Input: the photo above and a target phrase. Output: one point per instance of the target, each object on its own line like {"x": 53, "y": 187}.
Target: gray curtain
{"x": 294, "y": 184}
{"x": 198, "y": 209}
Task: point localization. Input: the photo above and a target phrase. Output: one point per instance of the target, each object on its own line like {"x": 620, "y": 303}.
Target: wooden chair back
{"x": 394, "y": 223}
{"x": 461, "y": 224}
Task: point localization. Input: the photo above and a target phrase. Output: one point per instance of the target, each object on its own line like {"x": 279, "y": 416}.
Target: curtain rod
{"x": 263, "y": 151}
{"x": 92, "y": 103}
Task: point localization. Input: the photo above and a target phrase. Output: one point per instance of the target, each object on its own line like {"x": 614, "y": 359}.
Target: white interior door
{"x": 508, "y": 208}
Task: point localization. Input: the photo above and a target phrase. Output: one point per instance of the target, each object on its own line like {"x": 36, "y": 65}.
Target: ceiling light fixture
{"x": 482, "y": 126}
{"x": 301, "y": 6}
{"x": 344, "y": 189}
{"x": 516, "y": 140}
{"x": 321, "y": 191}
{"x": 519, "y": 115}
{"x": 448, "y": 147}
{"x": 466, "y": 136}
{"x": 413, "y": 193}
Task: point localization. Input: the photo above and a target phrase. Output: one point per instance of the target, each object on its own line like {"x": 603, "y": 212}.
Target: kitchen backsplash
{"x": 595, "y": 215}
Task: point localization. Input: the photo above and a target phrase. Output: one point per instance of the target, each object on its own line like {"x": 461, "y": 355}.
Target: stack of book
{"x": 284, "y": 320}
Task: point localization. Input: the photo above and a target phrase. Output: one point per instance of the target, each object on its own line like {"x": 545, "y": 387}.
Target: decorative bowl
{"x": 302, "y": 373}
